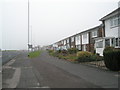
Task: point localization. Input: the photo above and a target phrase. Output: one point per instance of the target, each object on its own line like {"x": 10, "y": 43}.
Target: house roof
{"x": 81, "y": 32}
{"x": 113, "y": 13}
{"x": 92, "y": 29}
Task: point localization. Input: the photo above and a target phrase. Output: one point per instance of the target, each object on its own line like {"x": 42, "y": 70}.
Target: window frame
{"x": 99, "y": 43}
{"x": 116, "y": 44}
{"x": 115, "y": 21}
{"x": 107, "y": 43}
{"x": 72, "y": 39}
{"x": 68, "y": 40}
{"x": 64, "y": 42}
{"x": 94, "y": 34}
{"x": 85, "y": 35}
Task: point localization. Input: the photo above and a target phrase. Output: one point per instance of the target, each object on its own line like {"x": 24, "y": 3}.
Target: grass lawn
{"x": 34, "y": 54}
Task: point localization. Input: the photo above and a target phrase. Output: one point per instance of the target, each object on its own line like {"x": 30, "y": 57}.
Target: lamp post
{"x": 28, "y": 27}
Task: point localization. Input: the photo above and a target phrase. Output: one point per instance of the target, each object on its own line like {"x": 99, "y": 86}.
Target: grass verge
{"x": 34, "y": 54}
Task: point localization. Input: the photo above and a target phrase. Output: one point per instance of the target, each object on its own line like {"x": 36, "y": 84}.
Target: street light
{"x": 28, "y": 28}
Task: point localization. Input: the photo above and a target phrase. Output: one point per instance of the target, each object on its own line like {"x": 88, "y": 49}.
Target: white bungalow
{"x": 111, "y": 26}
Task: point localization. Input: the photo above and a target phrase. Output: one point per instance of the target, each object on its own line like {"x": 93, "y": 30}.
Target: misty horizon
{"x": 50, "y": 21}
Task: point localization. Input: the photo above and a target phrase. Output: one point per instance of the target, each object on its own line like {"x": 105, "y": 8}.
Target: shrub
{"x": 111, "y": 58}
{"x": 72, "y": 50}
{"x": 64, "y": 52}
{"x": 71, "y": 57}
{"x": 96, "y": 57}
{"x": 50, "y": 51}
{"x": 84, "y": 56}
{"x": 107, "y": 49}
{"x": 58, "y": 51}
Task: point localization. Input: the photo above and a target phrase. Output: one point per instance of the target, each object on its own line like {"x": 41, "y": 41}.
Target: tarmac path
{"x": 50, "y": 72}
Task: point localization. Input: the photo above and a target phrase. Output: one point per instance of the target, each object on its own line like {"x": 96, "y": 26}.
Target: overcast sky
{"x": 50, "y": 20}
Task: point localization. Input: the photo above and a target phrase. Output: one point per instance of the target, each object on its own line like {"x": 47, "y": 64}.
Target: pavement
{"x": 50, "y": 72}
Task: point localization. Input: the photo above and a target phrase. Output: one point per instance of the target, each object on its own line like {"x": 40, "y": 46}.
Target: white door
{"x": 84, "y": 47}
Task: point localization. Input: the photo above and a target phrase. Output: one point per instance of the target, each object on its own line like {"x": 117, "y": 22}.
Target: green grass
{"x": 34, "y": 54}
{"x": 9, "y": 50}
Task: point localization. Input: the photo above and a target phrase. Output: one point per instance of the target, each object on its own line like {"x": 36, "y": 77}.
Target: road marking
{"x": 12, "y": 83}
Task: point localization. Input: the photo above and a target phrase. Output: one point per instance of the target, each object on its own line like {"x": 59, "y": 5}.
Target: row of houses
{"x": 94, "y": 39}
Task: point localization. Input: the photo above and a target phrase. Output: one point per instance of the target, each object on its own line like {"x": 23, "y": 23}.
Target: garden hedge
{"x": 112, "y": 58}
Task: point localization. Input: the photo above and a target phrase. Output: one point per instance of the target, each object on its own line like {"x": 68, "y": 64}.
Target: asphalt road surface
{"x": 49, "y": 72}
{"x": 8, "y": 55}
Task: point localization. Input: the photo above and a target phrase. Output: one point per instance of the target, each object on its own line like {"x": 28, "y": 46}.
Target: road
{"x": 8, "y": 55}
{"x": 49, "y": 72}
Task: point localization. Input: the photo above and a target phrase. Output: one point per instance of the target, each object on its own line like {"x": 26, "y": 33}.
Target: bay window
{"x": 99, "y": 44}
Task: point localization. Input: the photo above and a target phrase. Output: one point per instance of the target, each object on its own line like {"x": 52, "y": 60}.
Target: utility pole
{"x": 28, "y": 27}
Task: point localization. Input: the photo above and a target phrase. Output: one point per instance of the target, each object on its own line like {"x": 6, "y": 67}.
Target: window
{"x": 67, "y": 40}
{"x": 79, "y": 47}
{"x": 68, "y": 46}
{"x": 77, "y": 38}
{"x": 107, "y": 42}
{"x": 111, "y": 22}
{"x": 99, "y": 44}
{"x": 85, "y": 36}
{"x": 119, "y": 42}
{"x": 64, "y": 42}
{"x": 116, "y": 42}
{"x": 115, "y": 21}
{"x": 94, "y": 34}
{"x": 84, "y": 47}
{"x": 72, "y": 39}
{"x": 112, "y": 42}
{"x": 118, "y": 20}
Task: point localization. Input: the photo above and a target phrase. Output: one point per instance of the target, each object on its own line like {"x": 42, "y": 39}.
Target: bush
{"x": 111, "y": 58}
{"x": 84, "y": 56}
{"x": 50, "y": 51}
{"x": 107, "y": 49}
{"x": 72, "y": 50}
{"x": 64, "y": 52}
